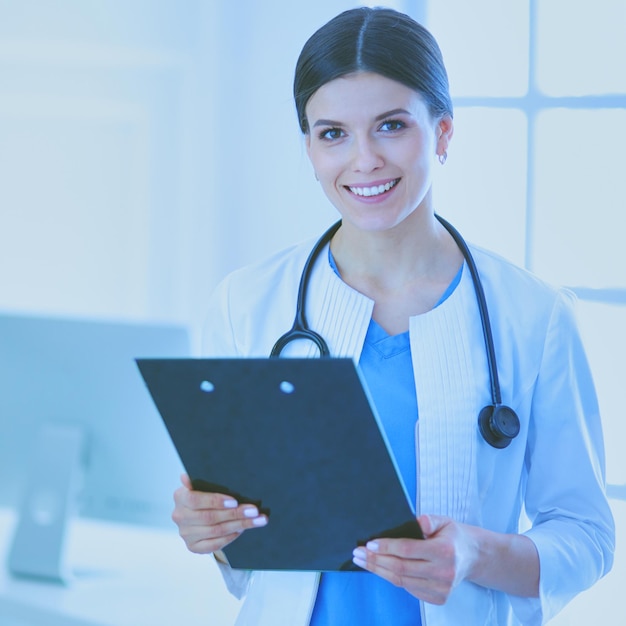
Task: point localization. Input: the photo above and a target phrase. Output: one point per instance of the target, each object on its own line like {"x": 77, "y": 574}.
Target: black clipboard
{"x": 298, "y": 438}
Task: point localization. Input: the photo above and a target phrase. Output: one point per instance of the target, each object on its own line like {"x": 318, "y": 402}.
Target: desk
{"x": 126, "y": 576}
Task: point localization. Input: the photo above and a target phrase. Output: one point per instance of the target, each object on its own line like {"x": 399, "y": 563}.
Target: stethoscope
{"x": 498, "y": 423}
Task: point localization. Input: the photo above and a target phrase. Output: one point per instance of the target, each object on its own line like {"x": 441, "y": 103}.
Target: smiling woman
{"x": 393, "y": 289}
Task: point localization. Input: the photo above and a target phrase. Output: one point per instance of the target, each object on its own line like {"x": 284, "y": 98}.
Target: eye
{"x": 330, "y": 134}
{"x": 392, "y": 125}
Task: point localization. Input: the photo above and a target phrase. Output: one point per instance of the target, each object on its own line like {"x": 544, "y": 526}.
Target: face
{"x": 373, "y": 144}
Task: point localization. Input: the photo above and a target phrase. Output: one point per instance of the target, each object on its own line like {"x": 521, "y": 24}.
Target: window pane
{"x": 579, "y": 216}
{"x": 581, "y": 48}
{"x": 484, "y": 45}
{"x": 482, "y": 187}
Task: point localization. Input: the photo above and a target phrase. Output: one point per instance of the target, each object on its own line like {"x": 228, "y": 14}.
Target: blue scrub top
{"x": 361, "y": 598}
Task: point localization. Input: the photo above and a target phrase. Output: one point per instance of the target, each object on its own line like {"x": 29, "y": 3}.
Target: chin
{"x": 374, "y": 223}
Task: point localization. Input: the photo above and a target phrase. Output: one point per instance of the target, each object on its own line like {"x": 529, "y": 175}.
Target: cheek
{"x": 326, "y": 166}
{"x": 328, "y": 187}
{"x": 421, "y": 160}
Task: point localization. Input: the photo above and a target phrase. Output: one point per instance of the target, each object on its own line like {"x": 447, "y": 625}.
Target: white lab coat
{"x": 554, "y": 469}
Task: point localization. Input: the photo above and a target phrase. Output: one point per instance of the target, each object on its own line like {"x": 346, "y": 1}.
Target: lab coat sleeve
{"x": 572, "y": 525}
{"x": 237, "y": 581}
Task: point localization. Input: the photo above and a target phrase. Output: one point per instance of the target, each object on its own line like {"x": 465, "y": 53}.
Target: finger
{"x": 248, "y": 516}
{"x": 398, "y": 556}
{"x": 198, "y": 500}
{"x": 207, "y": 546}
{"x": 400, "y": 572}
{"x": 204, "y": 539}
{"x": 414, "y": 548}
{"x": 192, "y": 498}
{"x": 194, "y": 532}
{"x": 401, "y": 548}
{"x": 184, "y": 515}
{"x": 210, "y": 522}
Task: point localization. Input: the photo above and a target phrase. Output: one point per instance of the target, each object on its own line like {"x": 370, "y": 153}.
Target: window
{"x": 536, "y": 172}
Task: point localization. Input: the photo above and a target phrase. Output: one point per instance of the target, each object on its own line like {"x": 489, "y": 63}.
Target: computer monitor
{"x": 79, "y": 432}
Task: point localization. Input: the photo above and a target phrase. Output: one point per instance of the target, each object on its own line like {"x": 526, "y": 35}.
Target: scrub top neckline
{"x": 376, "y": 334}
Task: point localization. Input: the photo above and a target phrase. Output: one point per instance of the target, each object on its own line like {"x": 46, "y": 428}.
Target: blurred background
{"x": 148, "y": 147}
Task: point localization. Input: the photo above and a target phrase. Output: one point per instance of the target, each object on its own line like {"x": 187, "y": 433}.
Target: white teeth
{"x": 373, "y": 191}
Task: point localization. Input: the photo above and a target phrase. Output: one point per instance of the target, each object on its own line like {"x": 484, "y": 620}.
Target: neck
{"x": 417, "y": 249}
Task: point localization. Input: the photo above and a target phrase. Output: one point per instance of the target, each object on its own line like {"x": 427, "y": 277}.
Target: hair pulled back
{"x": 378, "y": 40}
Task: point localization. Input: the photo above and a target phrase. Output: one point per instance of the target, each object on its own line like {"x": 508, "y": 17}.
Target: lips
{"x": 373, "y": 190}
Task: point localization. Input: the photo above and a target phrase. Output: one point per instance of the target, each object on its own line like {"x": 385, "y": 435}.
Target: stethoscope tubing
{"x": 482, "y": 309}
{"x": 301, "y": 330}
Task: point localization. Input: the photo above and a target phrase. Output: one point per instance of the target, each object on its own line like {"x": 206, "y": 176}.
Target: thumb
{"x": 186, "y": 481}
{"x": 431, "y": 524}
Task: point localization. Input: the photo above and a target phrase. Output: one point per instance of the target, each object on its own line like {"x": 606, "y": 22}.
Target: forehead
{"x": 363, "y": 95}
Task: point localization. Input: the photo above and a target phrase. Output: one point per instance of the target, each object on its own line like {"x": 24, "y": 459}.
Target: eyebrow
{"x": 378, "y": 118}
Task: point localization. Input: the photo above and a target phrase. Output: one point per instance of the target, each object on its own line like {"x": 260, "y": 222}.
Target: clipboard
{"x": 300, "y": 439}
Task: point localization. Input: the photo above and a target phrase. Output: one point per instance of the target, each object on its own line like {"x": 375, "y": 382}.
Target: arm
{"x": 572, "y": 524}
{"x": 571, "y": 541}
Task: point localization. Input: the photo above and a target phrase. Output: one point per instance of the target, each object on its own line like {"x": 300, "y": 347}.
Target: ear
{"x": 445, "y": 130}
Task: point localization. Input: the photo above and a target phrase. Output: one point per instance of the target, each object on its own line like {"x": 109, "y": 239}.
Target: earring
{"x": 443, "y": 157}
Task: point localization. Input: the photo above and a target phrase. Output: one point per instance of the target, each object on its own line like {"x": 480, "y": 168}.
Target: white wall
{"x": 96, "y": 203}
{"x": 147, "y": 147}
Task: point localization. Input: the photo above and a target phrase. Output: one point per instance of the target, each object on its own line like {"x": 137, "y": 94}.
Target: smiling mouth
{"x": 376, "y": 190}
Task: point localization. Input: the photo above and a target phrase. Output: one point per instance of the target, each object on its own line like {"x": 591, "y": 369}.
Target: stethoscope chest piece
{"x": 499, "y": 425}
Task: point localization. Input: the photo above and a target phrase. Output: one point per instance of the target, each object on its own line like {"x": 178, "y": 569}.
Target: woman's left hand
{"x": 427, "y": 568}
{"x": 450, "y": 553}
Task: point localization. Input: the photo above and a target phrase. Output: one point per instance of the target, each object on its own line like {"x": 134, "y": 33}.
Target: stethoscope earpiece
{"x": 498, "y": 425}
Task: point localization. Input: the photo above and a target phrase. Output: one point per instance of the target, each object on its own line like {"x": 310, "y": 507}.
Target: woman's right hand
{"x": 210, "y": 521}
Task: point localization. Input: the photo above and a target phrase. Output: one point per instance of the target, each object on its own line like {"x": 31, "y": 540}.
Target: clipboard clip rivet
{"x": 287, "y": 387}
{"x": 207, "y": 386}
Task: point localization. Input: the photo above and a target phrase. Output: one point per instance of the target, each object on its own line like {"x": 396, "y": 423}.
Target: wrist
{"x": 505, "y": 562}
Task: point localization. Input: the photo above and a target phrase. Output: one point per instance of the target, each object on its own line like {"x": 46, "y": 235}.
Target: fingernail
{"x": 359, "y": 562}
{"x": 230, "y": 504}
{"x": 260, "y": 521}
{"x": 372, "y": 546}
{"x": 251, "y": 512}
{"x": 359, "y": 553}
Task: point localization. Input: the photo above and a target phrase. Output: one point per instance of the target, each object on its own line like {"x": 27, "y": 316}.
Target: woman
{"x": 393, "y": 290}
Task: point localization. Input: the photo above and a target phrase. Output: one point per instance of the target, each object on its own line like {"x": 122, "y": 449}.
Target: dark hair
{"x": 377, "y": 40}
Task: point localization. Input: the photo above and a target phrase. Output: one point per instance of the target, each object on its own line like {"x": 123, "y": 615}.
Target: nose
{"x": 366, "y": 155}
